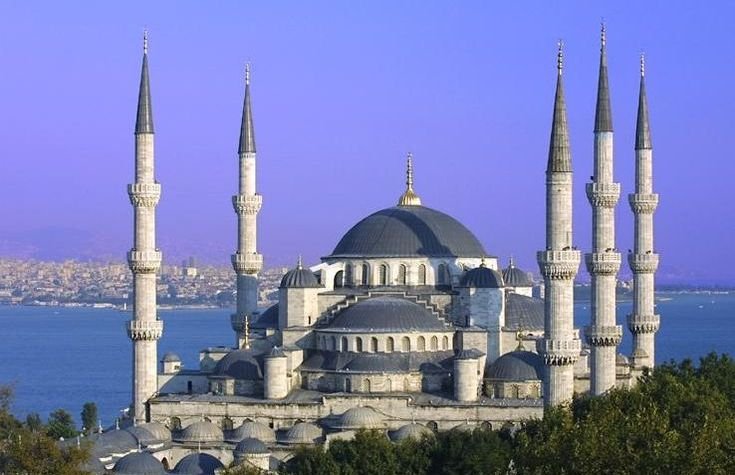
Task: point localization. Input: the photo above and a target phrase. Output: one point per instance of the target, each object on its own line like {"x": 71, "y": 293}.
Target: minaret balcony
{"x": 643, "y": 323}
{"x": 603, "y": 195}
{"x": 559, "y": 265}
{"x": 145, "y": 330}
{"x": 643, "y": 263}
{"x": 643, "y": 203}
{"x": 559, "y": 352}
{"x": 144, "y": 194}
{"x": 603, "y": 263}
{"x": 247, "y": 263}
{"x": 247, "y": 204}
{"x": 604, "y": 335}
{"x": 144, "y": 262}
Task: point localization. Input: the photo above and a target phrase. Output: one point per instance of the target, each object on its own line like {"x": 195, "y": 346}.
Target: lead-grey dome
{"x": 302, "y": 433}
{"x": 252, "y": 430}
{"x": 517, "y": 365}
{"x": 201, "y": 431}
{"x": 240, "y": 364}
{"x": 482, "y": 278}
{"x": 250, "y": 446}
{"x": 299, "y": 278}
{"x": 159, "y": 431}
{"x": 198, "y": 464}
{"x": 523, "y": 313}
{"x": 171, "y": 357}
{"x": 386, "y": 314}
{"x": 139, "y": 463}
{"x": 515, "y": 277}
{"x": 360, "y": 418}
{"x": 410, "y": 431}
{"x": 409, "y": 231}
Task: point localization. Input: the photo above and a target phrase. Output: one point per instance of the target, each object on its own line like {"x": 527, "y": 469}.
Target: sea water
{"x": 59, "y": 357}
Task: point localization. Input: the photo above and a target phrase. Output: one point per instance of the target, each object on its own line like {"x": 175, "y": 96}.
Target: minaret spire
{"x": 144, "y": 258}
{"x": 603, "y": 262}
{"x": 559, "y": 262}
{"x": 643, "y": 261}
{"x": 246, "y": 261}
{"x": 409, "y": 197}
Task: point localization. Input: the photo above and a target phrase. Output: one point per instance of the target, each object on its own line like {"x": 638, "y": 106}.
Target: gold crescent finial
{"x": 145, "y": 41}
{"x": 643, "y": 64}
{"x": 560, "y": 56}
{"x": 247, "y": 74}
{"x": 409, "y": 198}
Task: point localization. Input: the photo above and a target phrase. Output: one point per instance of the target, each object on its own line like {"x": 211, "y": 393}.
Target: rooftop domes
{"x": 201, "y": 431}
{"x": 408, "y": 231}
{"x": 198, "y": 464}
{"x": 482, "y": 278}
{"x": 360, "y": 418}
{"x": 386, "y": 314}
{"x": 515, "y": 277}
{"x": 139, "y": 463}
{"x": 171, "y": 357}
{"x": 159, "y": 431}
{"x": 517, "y": 365}
{"x": 240, "y": 364}
{"x": 251, "y": 446}
{"x": 302, "y": 433}
{"x": 410, "y": 431}
{"x": 299, "y": 278}
{"x": 254, "y": 430}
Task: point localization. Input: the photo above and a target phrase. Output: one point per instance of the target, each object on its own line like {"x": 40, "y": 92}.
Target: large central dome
{"x": 408, "y": 231}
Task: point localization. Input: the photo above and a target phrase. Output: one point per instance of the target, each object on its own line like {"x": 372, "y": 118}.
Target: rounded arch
{"x": 445, "y": 343}
{"x": 339, "y": 279}
{"x": 421, "y": 343}
{"x": 333, "y": 343}
{"x": 366, "y": 387}
{"x": 390, "y": 345}
{"x": 443, "y": 276}
{"x": 374, "y": 345}
{"x": 383, "y": 274}
{"x": 402, "y": 274}
{"x": 434, "y": 343}
{"x": 365, "y": 274}
{"x": 405, "y": 344}
{"x": 358, "y": 344}
{"x": 345, "y": 344}
{"x": 433, "y": 426}
{"x": 227, "y": 423}
{"x": 422, "y": 275}
{"x": 174, "y": 423}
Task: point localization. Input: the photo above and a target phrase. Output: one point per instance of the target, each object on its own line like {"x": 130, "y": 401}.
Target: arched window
{"x": 174, "y": 423}
{"x": 348, "y": 385}
{"x": 358, "y": 344}
{"x": 334, "y": 344}
{"x": 390, "y": 346}
{"x": 374, "y": 345}
{"x": 227, "y": 423}
{"x": 366, "y": 385}
{"x": 421, "y": 344}
{"x": 434, "y": 343}
{"x": 405, "y": 344}
{"x": 445, "y": 343}
{"x": 406, "y": 385}
{"x": 339, "y": 280}
{"x": 402, "y": 275}
{"x": 344, "y": 344}
{"x": 348, "y": 275}
{"x": 433, "y": 426}
{"x": 389, "y": 385}
{"x": 383, "y": 274}
{"x": 365, "y": 274}
{"x": 443, "y": 275}
{"x": 422, "y": 275}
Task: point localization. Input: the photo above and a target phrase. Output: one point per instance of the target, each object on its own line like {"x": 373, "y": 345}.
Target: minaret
{"x": 144, "y": 258}
{"x": 603, "y": 263}
{"x": 643, "y": 322}
{"x": 559, "y": 263}
{"x": 246, "y": 261}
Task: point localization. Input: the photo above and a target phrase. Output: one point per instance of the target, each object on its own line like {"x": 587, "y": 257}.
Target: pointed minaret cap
{"x": 409, "y": 197}
{"x": 247, "y": 130}
{"x": 144, "y": 119}
{"x": 643, "y": 128}
{"x": 560, "y": 156}
{"x": 603, "y": 112}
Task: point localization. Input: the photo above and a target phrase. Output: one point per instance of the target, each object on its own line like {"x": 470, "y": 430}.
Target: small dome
{"x": 252, "y": 430}
{"x": 115, "y": 442}
{"x": 159, "y": 431}
{"x": 515, "y": 277}
{"x": 410, "y": 431}
{"x": 361, "y": 418}
{"x": 482, "y": 278}
{"x": 517, "y": 365}
{"x": 386, "y": 314}
{"x": 465, "y": 427}
{"x": 469, "y": 354}
{"x": 240, "y": 364}
{"x": 276, "y": 352}
{"x": 139, "y": 463}
{"x": 302, "y": 433}
{"x": 621, "y": 360}
{"x": 251, "y": 446}
{"x": 171, "y": 357}
{"x": 299, "y": 278}
{"x": 198, "y": 464}
{"x": 143, "y": 435}
{"x": 201, "y": 431}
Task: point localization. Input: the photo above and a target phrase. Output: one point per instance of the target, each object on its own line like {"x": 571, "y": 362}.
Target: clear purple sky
{"x": 341, "y": 91}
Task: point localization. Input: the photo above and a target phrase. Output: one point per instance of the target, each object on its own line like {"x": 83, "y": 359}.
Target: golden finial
{"x": 409, "y": 198}
{"x": 145, "y": 41}
{"x": 519, "y": 337}
{"x": 560, "y": 56}
{"x": 603, "y": 33}
{"x": 643, "y": 64}
{"x": 247, "y": 74}
{"x": 246, "y": 343}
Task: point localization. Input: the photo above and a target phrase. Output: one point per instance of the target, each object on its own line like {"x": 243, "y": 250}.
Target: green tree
{"x": 308, "y": 461}
{"x": 34, "y": 422}
{"x": 61, "y": 424}
{"x": 89, "y": 417}
{"x": 481, "y": 451}
{"x": 369, "y": 453}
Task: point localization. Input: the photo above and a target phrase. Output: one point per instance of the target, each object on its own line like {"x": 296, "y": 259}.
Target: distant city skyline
{"x": 341, "y": 92}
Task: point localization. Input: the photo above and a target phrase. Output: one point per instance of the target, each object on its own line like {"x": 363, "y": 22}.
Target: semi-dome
{"x": 139, "y": 463}
{"x": 198, "y": 464}
{"x": 515, "y": 277}
{"x": 408, "y": 231}
{"x": 482, "y": 278}
{"x": 360, "y": 418}
{"x": 252, "y": 430}
{"x": 302, "y": 433}
{"x": 517, "y": 365}
{"x": 410, "y": 431}
{"x": 201, "y": 431}
{"x": 299, "y": 278}
{"x": 240, "y": 364}
{"x": 386, "y": 314}
{"x": 250, "y": 446}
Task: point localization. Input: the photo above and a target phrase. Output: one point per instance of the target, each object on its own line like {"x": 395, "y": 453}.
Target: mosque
{"x": 408, "y": 326}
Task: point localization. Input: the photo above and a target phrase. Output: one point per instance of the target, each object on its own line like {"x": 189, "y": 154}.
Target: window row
{"x": 389, "y": 344}
{"x": 387, "y": 275}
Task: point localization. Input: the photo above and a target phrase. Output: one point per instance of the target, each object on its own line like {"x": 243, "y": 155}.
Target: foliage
{"x": 34, "y": 422}
{"x": 61, "y": 425}
{"x": 89, "y": 417}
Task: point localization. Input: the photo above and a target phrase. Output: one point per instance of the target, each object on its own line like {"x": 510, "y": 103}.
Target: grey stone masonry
{"x": 643, "y": 261}
{"x": 246, "y": 261}
{"x": 603, "y": 263}
{"x": 144, "y": 258}
{"x": 559, "y": 262}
